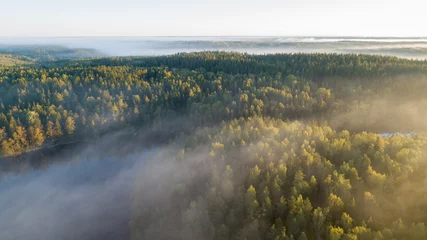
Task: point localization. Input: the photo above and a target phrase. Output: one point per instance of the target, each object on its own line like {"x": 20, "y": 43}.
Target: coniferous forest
{"x": 277, "y": 146}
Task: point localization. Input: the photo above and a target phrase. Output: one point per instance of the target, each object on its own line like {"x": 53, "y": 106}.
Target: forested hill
{"x": 73, "y": 99}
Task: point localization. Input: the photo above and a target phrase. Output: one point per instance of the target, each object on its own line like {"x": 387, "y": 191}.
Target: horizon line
{"x": 260, "y": 36}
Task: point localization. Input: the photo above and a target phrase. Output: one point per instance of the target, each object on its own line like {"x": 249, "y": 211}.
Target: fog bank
{"x": 150, "y": 46}
{"x": 87, "y": 198}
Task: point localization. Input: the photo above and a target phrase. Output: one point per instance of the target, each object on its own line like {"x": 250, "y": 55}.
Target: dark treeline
{"x": 289, "y": 156}
{"x": 310, "y": 66}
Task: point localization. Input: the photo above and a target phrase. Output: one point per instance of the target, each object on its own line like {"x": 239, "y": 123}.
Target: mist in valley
{"x": 413, "y": 48}
{"x": 93, "y": 190}
{"x": 82, "y": 196}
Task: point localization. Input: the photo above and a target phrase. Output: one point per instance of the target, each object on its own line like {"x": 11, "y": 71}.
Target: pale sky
{"x": 398, "y": 18}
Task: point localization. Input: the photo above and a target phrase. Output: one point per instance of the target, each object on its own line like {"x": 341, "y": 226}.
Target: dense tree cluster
{"x": 267, "y": 179}
{"x": 80, "y": 101}
{"x": 13, "y": 60}
{"x": 41, "y": 104}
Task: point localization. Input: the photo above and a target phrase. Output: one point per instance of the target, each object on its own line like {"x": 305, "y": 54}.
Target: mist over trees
{"x": 263, "y": 178}
{"x": 282, "y": 146}
{"x": 78, "y": 47}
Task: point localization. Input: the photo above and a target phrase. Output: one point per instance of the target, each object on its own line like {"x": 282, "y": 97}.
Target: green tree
{"x": 36, "y": 136}
{"x": 70, "y": 125}
{"x": 335, "y": 233}
{"x": 251, "y": 202}
{"x": 319, "y": 218}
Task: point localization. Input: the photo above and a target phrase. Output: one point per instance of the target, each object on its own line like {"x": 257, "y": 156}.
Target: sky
{"x": 47, "y": 18}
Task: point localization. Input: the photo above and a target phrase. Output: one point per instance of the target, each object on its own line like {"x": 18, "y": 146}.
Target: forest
{"x": 275, "y": 146}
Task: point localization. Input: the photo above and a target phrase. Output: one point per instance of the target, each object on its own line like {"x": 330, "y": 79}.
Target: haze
{"x": 213, "y": 120}
{"x": 213, "y": 18}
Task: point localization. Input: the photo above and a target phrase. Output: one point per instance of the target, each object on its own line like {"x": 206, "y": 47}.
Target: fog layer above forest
{"x": 134, "y": 46}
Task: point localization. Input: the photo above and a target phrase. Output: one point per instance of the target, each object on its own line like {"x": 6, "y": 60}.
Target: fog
{"x": 86, "y": 191}
{"x": 81, "y": 199}
{"x": 149, "y": 46}
{"x": 395, "y": 106}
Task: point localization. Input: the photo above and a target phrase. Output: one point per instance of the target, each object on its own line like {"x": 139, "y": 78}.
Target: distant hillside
{"x": 49, "y": 52}
{"x": 11, "y": 60}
